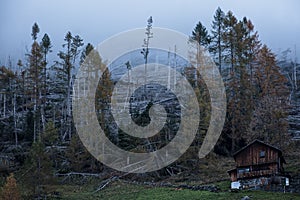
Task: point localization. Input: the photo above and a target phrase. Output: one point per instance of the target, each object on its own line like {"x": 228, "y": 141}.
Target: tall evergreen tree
{"x": 64, "y": 70}
{"x": 88, "y": 48}
{"x": 230, "y": 22}
{"x": 76, "y": 44}
{"x": 45, "y": 48}
{"x": 269, "y": 120}
{"x": 232, "y": 82}
{"x": 35, "y": 31}
{"x": 216, "y": 45}
{"x": 38, "y": 170}
{"x": 238, "y": 40}
{"x": 35, "y": 79}
{"x": 201, "y": 35}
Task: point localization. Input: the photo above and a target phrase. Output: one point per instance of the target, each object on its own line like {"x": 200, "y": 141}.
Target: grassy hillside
{"x": 209, "y": 171}
{"x": 120, "y": 190}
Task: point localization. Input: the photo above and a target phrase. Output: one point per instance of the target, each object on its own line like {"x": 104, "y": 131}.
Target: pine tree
{"x": 103, "y": 96}
{"x": 253, "y": 45}
{"x": 38, "y": 170}
{"x": 232, "y": 81}
{"x": 269, "y": 120}
{"x": 80, "y": 159}
{"x": 239, "y": 47}
{"x": 64, "y": 75}
{"x": 201, "y": 35}
{"x": 76, "y": 44}
{"x": 88, "y": 48}
{"x": 216, "y": 44}
{"x": 35, "y": 31}
{"x": 46, "y": 49}
{"x": 35, "y": 79}
{"x": 229, "y": 39}
{"x": 203, "y": 97}
{"x": 50, "y": 135}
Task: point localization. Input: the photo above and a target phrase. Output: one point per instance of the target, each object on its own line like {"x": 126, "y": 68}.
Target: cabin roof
{"x": 260, "y": 142}
{"x": 231, "y": 170}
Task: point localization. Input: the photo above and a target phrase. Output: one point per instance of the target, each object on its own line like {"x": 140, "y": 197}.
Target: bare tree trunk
{"x": 295, "y": 70}
{"x": 4, "y": 105}
{"x": 39, "y": 177}
{"x": 175, "y": 62}
{"x": 220, "y": 49}
{"x": 68, "y": 112}
{"x": 69, "y": 101}
{"x": 232, "y": 142}
{"x": 42, "y": 111}
{"x": 15, "y": 120}
{"x": 169, "y": 71}
{"x": 34, "y": 121}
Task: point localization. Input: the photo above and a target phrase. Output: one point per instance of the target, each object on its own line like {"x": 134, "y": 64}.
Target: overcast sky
{"x": 277, "y": 21}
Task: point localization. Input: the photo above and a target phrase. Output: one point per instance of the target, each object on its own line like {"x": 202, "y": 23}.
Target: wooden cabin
{"x": 257, "y": 159}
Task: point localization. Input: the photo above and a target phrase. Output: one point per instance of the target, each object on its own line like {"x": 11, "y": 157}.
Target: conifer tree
{"x": 216, "y": 45}
{"x": 230, "y": 22}
{"x": 80, "y": 159}
{"x": 35, "y": 31}
{"x": 38, "y": 169}
{"x": 35, "y": 79}
{"x": 46, "y": 49}
{"x": 88, "y": 48}
{"x": 65, "y": 76}
{"x": 10, "y": 189}
{"x": 269, "y": 120}
{"x": 239, "y": 44}
{"x": 201, "y": 35}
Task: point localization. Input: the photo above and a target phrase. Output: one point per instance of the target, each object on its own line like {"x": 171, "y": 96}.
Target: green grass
{"x": 119, "y": 190}
{"x": 223, "y": 185}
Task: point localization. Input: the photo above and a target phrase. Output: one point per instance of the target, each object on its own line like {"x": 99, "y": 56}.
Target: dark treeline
{"x": 36, "y": 101}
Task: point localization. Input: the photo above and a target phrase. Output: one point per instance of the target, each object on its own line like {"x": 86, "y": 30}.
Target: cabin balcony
{"x": 259, "y": 173}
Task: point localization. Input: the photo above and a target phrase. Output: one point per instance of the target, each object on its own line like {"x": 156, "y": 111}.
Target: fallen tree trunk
{"x": 72, "y": 174}
{"x": 78, "y": 173}
{"x": 106, "y": 182}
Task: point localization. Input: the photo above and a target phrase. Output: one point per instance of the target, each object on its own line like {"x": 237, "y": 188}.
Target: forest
{"x": 39, "y": 140}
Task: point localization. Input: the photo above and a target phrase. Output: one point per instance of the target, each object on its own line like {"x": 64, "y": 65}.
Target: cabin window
{"x": 262, "y": 154}
{"x": 243, "y": 170}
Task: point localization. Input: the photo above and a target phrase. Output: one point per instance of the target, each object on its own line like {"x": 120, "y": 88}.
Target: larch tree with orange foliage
{"x": 10, "y": 190}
